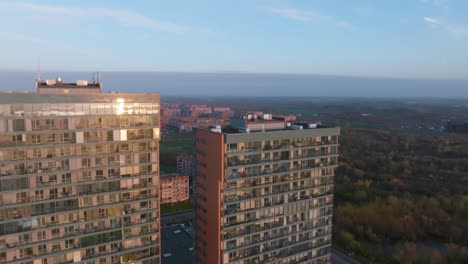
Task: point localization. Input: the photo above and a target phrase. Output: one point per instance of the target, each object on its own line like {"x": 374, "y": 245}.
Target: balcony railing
{"x": 229, "y": 211}
{"x": 281, "y": 147}
{"x": 282, "y": 169}
{"x": 248, "y": 196}
{"x": 246, "y": 162}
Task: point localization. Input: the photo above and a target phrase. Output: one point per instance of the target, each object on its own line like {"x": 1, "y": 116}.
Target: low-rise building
{"x": 174, "y": 188}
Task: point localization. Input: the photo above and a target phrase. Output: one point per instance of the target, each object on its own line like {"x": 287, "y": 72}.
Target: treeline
{"x": 402, "y": 198}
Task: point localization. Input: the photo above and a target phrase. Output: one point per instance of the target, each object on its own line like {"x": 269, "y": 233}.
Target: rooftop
{"x": 232, "y": 130}
{"x": 59, "y": 84}
{"x": 266, "y": 122}
{"x": 171, "y": 175}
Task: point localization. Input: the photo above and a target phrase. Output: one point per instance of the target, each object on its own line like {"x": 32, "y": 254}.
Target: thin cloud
{"x": 432, "y": 21}
{"x": 439, "y": 3}
{"x": 309, "y": 16}
{"x": 296, "y": 14}
{"x": 452, "y": 29}
{"x": 22, "y": 38}
{"x": 10, "y": 36}
{"x": 362, "y": 11}
{"x": 125, "y": 17}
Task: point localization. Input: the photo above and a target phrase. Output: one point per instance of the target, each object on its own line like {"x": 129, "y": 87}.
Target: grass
{"x": 168, "y": 168}
{"x": 177, "y": 207}
{"x": 173, "y": 141}
{"x": 172, "y": 145}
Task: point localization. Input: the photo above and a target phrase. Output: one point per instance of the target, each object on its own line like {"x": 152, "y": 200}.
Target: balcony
{"x": 281, "y": 147}
{"x": 255, "y": 173}
{"x": 299, "y": 246}
{"x": 232, "y": 211}
{"x": 271, "y": 226}
{"x": 120, "y": 250}
{"x": 70, "y": 208}
{"x": 247, "y": 162}
{"x": 247, "y": 196}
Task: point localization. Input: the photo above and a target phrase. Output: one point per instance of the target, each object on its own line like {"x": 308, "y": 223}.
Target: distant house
{"x": 185, "y": 165}
{"x": 457, "y": 128}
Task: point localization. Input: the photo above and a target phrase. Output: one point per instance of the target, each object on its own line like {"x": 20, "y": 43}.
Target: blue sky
{"x": 397, "y": 38}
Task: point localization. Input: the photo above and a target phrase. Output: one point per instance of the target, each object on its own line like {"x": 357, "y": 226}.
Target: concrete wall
{"x": 209, "y": 156}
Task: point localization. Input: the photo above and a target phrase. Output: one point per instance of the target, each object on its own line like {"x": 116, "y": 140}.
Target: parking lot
{"x": 178, "y": 244}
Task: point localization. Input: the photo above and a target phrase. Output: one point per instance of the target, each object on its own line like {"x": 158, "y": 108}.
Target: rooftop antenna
{"x": 38, "y": 77}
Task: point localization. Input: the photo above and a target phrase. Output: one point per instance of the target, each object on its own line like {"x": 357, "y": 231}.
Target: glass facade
{"x": 79, "y": 178}
{"x": 278, "y": 200}
{"x": 276, "y": 197}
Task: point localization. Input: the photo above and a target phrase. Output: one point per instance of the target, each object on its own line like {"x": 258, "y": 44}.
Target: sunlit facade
{"x": 264, "y": 192}
{"x": 174, "y": 188}
{"x": 79, "y": 178}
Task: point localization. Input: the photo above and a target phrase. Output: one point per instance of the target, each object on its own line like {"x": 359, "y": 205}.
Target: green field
{"x": 172, "y": 208}
{"x": 172, "y": 145}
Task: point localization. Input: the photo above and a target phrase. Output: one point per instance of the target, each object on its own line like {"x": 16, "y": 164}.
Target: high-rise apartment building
{"x": 79, "y": 176}
{"x": 264, "y": 191}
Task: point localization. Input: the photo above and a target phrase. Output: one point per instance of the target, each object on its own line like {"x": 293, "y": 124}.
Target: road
{"x": 166, "y": 219}
{"x": 341, "y": 258}
{"x": 180, "y": 245}
{"x": 337, "y": 256}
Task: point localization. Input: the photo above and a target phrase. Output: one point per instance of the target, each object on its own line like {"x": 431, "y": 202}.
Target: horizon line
{"x": 416, "y": 78}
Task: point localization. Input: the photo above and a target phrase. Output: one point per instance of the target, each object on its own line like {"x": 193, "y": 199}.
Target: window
{"x": 51, "y": 138}
{"x": 36, "y": 139}
{"x": 99, "y": 161}
{"x": 69, "y": 229}
{"x": 53, "y": 193}
{"x": 42, "y": 248}
{"x": 41, "y": 235}
{"x": 55, "y": 232}
{"x": 85, "y": 150}
{"x": 39, "y": 194}
{"x": 18, "y": 155}
{"x": 86, "y": 162}
{"x": 25, "y": 252}
{"x": 99, "y": 149}
{"x": 70, "y": 243}
{"x": 64, "y": 164}
{"x": 65, "y": 151}
{"x": 17, "y": 138}
{"x": 52, "y": 178}
{"x": 37, "y": 153}
{"x": 66, "y": 178}
{"x": 124, "y": 147}
{"x": 102, "y": 212}
{"x": 128, "y": 159}
{"x": 56, "y": 247}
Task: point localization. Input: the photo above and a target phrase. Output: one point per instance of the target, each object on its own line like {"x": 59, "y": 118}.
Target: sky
{"x": 421, "y": 39}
